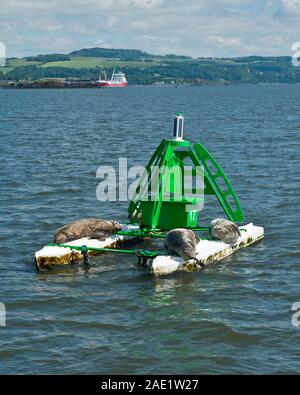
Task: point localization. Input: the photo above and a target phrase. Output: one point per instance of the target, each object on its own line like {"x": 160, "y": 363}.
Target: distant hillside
{"x": 143, "y": 68}
{"x": 48, "y": 58}
{"x": 122, "y": 54}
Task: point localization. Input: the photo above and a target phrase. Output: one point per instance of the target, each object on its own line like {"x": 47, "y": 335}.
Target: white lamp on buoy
{"x": 178, "y": 127}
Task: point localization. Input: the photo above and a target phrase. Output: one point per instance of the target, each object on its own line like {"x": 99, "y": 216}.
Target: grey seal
{"x": 93, "y": 228}
{"x": 224, "y": 230}
{"x": 182, "y": 242}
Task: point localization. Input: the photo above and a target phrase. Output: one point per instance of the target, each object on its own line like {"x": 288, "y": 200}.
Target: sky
{"x": 198, "y": 28}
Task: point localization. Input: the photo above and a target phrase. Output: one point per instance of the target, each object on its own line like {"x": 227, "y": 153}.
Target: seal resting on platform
{"x": 88, "y": 227}
{"x": 182, "y": 242}
{"x": 224, "y": 230}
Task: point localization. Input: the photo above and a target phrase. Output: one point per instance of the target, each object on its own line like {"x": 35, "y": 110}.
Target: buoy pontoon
{"x": 167, "y": 197}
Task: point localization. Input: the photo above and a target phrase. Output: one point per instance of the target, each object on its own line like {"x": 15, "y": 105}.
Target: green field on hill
{"x": 79, "y": 62}
{"x": 21, "y": 63}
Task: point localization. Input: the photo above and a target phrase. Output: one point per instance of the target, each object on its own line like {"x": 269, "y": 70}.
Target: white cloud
{"x": 191, "y": 27}
{"x": 229, "y": 41}
{"x": 103, "y": 43}
{"x": 291, "y": 8}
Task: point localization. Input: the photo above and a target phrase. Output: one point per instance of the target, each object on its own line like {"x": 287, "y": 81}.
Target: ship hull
{"x": 108, "y": 84}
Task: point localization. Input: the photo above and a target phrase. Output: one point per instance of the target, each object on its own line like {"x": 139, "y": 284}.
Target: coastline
{"x": 18, "y": 86}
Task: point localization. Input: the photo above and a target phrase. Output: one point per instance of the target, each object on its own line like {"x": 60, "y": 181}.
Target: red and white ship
{"x": 118, "y": 80}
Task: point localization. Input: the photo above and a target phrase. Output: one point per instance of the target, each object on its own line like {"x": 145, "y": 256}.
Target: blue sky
{"x": 191, "y": 27}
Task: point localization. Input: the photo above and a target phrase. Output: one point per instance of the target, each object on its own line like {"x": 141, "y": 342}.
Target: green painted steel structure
{"x": 161, "y": 198}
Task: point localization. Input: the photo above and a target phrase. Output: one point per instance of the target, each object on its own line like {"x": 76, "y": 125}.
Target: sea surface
{"x": 234, "y": 317}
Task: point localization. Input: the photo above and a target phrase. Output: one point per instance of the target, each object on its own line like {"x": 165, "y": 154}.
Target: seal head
{"x": 182, "y": 242}
{"x": 224, "y": 230}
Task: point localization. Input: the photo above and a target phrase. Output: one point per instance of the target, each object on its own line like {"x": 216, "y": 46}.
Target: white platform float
{"x": 50, "y": 256}
{"x": 208, "y": 251}
{"x": 54, "y": 256}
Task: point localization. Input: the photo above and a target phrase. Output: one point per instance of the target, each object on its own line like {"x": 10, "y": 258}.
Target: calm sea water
{"x": 235, "y": 317}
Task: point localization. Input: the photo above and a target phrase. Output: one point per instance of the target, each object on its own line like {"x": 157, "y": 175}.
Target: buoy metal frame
{"x": 172, "y": 153}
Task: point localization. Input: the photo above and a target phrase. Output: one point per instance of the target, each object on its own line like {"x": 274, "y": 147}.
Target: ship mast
{"x": 113, "y": 74}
